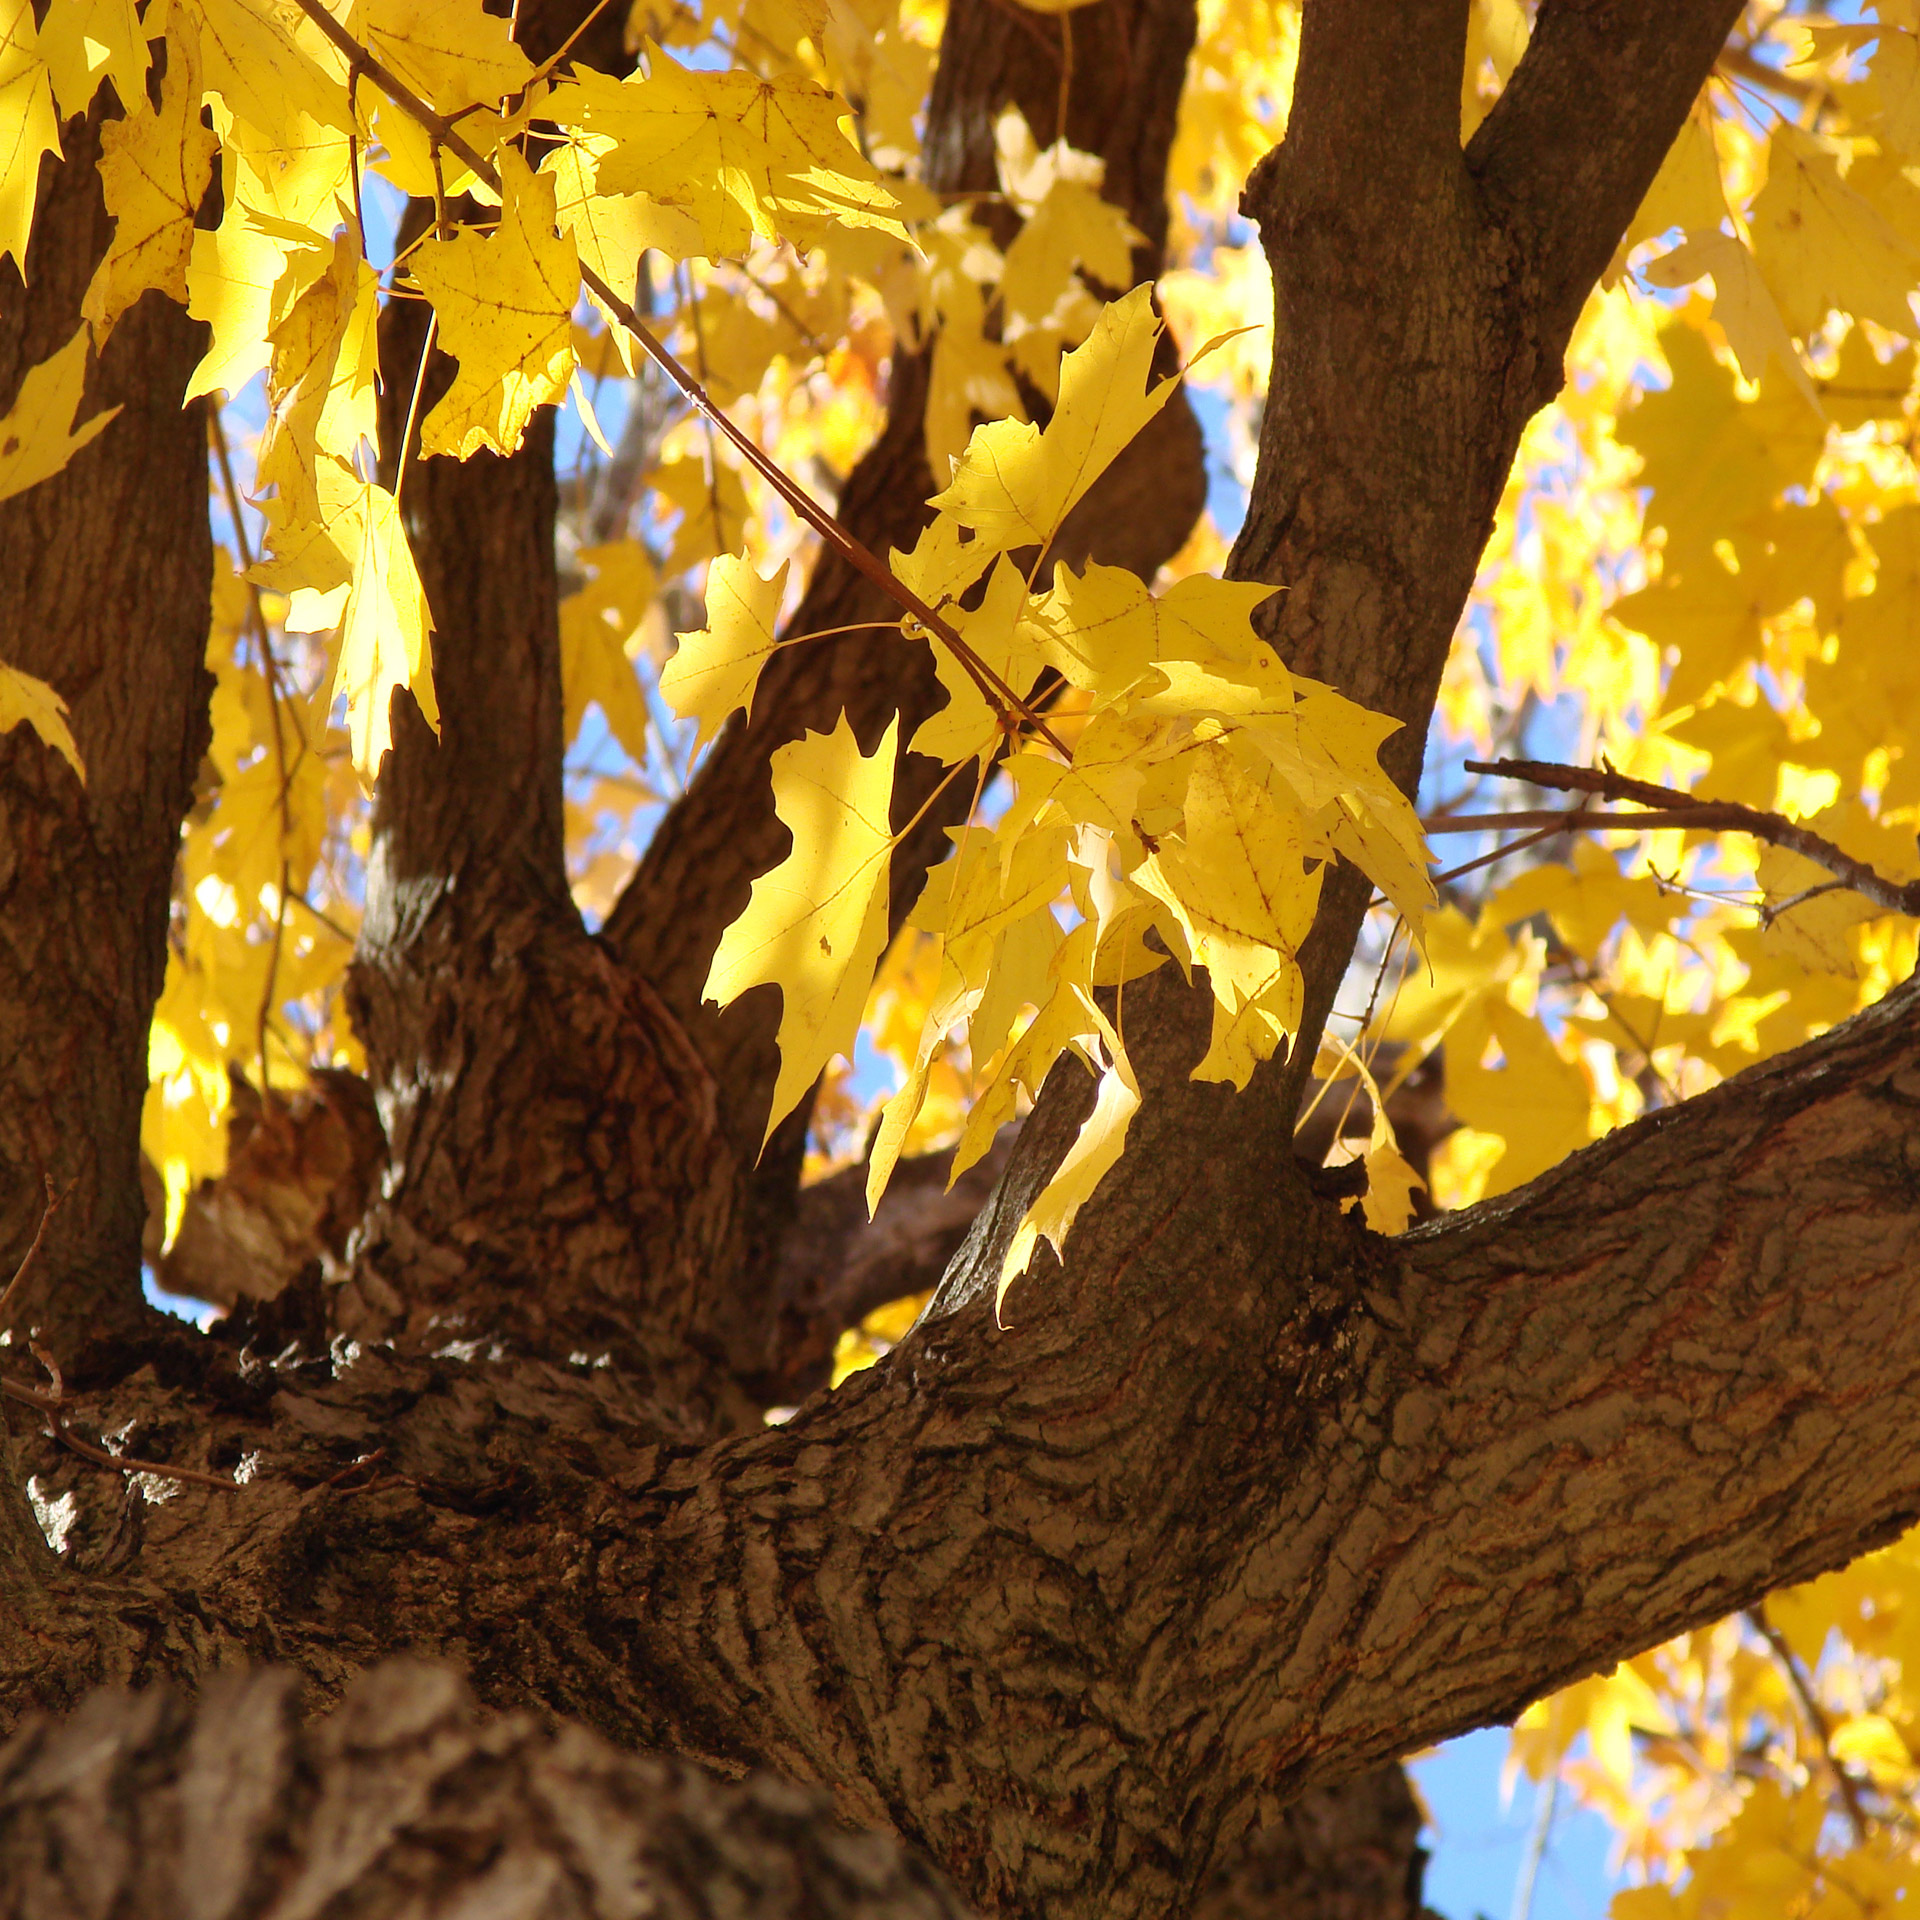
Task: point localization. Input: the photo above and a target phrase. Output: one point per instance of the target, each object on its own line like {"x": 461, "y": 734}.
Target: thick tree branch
{"x": 1572, "y": 145}
{"x": 1237, "y": 1503}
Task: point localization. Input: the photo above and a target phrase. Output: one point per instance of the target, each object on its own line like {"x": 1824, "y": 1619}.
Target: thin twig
{"x": 54, "y": 1197}
{"x": 413, "y": 407}
{"x": 1669, "y": 807}
{"x": 855, "y": 553}
{"x": 263, "y": 639}
{"x": 53, "y": 1406}
{"x": 1816, "y": 1717}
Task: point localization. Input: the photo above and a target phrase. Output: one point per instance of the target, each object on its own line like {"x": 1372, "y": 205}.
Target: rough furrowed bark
{"x": 405, "y": 1800}
{"x": 1128, "y": 62}
{"x": 104, "y": 591}
{"x": 1237, "y": 1504}
{"x": 141, "y": 1807}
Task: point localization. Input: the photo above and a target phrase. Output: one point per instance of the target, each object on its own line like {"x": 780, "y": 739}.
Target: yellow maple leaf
{"x": 743, "y": 155}
{"x": 816, "y": 926}
{"x": 1096, "y": 1150}
{"x": 1072, "y": 227}
{"x": 1102, "y": 629}
{"x": 1821, "y": 245}
{"x": 154, "y": 169}
{"x": 451, "y": 52}
{"x": 86, "y": 41}
{"x": 268, "y": 62}
{"x": 716, "y": 669}
{"x": 612, "y": 230}
{"x": 383, "y": 633}
{"x": 35, "y": 440}
{"x": 29, "y": 125}
{"x": 27, "y": 701}
{"x": 320, "y": 390}
{"x": 598, "y": 626}
{"x": 1741, "y": 303}
{"x": 506, "y": 314}
{"x": 1245, "y": 896}
{"x": 1015, "y": 483}
{"x": 995, "y": 630}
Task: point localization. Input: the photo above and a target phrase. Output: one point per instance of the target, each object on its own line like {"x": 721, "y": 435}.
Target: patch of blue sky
{"x": 1479, "y": 1838}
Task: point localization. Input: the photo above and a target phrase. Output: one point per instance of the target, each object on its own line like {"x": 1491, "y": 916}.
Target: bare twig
{"x": 54, "y": 1197}
{"x": 53, "y": 1406}
{"x": 1015, "y": 710}
{"x": 1816, "y": 1717}
{"x": 1669, "y": 807}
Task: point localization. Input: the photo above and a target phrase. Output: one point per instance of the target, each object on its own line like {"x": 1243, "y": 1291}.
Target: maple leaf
{"x": 268, "y": 62}
{"x": 321, "y": 388}
{"x": 1067, "y": 225}
{"x": 1245, "y": 897}
{"x": 452, "y": 53}
{"x": 1103, "y": 629}
{"x": 86, "y": 41}
{"x": 383, "y": 633}
{"x": 154, "y": 169}
{"x": 1820, "y": 245}
{"x": 716, "y": 669}
{"x": 741, "y": 154}
{"x": 37, "y": 438}
{"x": 816, "y": 926}
{"x": 597, "y": 626}
{"x": 29, "y": 125}
{"x": 1741, "y": 303}
{"x": 1015, "y": 483}
{"x": 27, "y": 701}
{"x": 506, "y": 313}
{"x": 612, "y": 230}
{"x": 1095, "y": 1152}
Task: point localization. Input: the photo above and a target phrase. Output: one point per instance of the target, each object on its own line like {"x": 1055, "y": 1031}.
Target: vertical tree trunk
{"x": 556, "y": 1178}
{"x": 105, "y": 575}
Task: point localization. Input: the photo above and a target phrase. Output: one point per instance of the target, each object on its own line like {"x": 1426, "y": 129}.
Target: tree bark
{"x": 104, "y": 592}
{"x": 404, "y": 1800}
{"x": 1242, "y": 1501}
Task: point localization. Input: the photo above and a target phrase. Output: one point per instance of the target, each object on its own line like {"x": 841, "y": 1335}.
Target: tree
{"x": 1191, "y": 1499}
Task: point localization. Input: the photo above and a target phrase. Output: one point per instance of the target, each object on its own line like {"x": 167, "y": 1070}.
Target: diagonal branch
{"x": 1572, "y": 145}
{"x": 1009, "y": 704}
{"x": 1672, "y": 807}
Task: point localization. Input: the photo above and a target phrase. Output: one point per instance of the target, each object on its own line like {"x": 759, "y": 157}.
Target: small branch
{"x": 1669, "y": 807}
{"x": 53, "y": 1405}
{"x": 1816, "y": 1717}
{"x": 26, "y": 1259}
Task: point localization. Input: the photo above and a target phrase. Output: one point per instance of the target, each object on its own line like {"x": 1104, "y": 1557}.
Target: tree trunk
{"x": 104, "y": 592}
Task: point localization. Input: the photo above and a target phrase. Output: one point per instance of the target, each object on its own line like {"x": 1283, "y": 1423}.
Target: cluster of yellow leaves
{"x": 1206, "y": 791}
